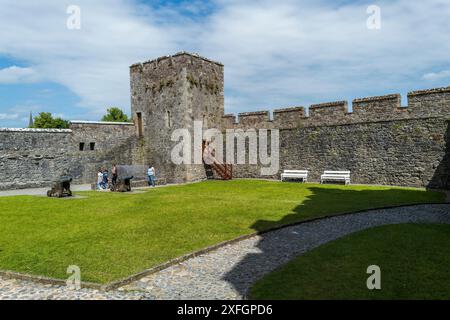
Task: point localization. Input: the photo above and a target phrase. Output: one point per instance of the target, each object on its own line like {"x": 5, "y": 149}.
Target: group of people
{"x": 103, "y": 177}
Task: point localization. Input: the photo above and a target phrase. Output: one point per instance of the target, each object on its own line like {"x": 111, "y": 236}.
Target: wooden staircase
{"x": 212, "y": 165}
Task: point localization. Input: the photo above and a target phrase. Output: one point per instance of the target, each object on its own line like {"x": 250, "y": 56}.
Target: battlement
{"x": 421, "y": 104}
{"x": 326, "y": 112}
{"x": 429, "y": 91}
{"x": 378, "y": 108}
{"x": 228, "y": 121}
{"x": 291, "y": 117}
{"x": 254, "y": 119}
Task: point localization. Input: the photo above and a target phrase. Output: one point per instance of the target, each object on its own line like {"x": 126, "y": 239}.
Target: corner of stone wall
{"x": 432, "y": 102}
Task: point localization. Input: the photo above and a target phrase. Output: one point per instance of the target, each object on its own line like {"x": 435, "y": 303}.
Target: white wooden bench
{"x": 335, "y": 176}
{"x": 295, "y": 174}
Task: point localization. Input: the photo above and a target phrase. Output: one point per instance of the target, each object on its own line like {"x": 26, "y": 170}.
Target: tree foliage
{"x": 45, "y": 120}
{"x": 115, "y": 114}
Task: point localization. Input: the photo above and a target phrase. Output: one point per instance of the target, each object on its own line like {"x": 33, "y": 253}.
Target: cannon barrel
{"x": 63, "y": 179}
{"x": 123, "y": 184}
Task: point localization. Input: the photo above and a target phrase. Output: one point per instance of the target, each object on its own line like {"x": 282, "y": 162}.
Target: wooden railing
{"x": 224, "y": 170}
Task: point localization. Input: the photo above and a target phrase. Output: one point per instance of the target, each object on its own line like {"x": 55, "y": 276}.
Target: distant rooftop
{"x": 195, "y": 55}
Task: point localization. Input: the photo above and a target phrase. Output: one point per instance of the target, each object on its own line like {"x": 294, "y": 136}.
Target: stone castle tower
{"x": 171, "y": 93}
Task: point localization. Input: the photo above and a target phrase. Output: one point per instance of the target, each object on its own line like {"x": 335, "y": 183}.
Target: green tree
{"x": 115, "y": 115}
{"x": 45, "y": 120}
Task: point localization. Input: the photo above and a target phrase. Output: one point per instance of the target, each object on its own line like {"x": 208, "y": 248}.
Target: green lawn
{"x": 414, "y": 261}
{"x": 113, "y": 235}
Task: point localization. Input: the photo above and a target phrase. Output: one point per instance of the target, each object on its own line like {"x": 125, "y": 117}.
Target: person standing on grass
{"x": 114, "y": 174}
{"x": 151, "y": 176}
{"x": 105, "y": 179}
{"x": 99, "y": 179}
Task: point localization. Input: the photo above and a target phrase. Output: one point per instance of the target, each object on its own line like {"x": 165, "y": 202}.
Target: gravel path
{"x": 227, "y": 273}
{"x": 40, "y": 191}
{"x": 11, "y": 289}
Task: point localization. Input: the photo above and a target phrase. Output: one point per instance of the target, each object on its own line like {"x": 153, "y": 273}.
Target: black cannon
{"x": 61, "y": 188}
{"x": 122, "y": 184}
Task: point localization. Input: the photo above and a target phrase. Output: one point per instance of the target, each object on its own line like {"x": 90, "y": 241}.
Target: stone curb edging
{"x": 46, "y": 280}
{"x": 120, "y": 283}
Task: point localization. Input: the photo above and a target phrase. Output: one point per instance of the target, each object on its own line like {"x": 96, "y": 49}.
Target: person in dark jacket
{"x": 114, "y": 174}
{"x": 105, "y": 179}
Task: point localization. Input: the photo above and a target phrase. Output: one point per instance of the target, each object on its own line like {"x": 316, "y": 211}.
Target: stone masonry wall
{"x": 114, "y": 143}
{"x": 32, "y": 158}
{"x": 35, "y": 157}
{"x": 398, "y": 152}
{"x": 412, "y": 152}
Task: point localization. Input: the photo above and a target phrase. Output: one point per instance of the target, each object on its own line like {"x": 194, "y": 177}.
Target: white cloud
{"x": 18, "y": 115}
{"x": 16, "y": 74}
{"x": 298, "y": 52}
{"x": 276, "y": 53}
{"x": 92, "y": 62}
{"x": 8, "y": 116}
{"x": 26, "y": 107}
{"x": 433, "y": 76}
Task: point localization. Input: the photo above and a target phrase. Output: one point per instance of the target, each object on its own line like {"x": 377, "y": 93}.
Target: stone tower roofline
{"x": 194, "y": 55}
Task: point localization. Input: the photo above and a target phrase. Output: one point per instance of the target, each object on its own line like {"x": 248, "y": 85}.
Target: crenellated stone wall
{"x": 425, "y": 103}
{"x": 380, "y": 141}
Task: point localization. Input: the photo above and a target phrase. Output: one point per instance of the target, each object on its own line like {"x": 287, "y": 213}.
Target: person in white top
{"x": 99, "y": 179}
{"x": 151, "y": 176}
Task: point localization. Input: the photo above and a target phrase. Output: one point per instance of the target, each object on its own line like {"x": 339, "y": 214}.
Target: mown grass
{"x": 413, "y": 261}
{"x": 113, "y": 235}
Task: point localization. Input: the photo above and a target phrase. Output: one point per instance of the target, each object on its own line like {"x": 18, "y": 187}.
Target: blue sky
{"x": 276, "y": 53}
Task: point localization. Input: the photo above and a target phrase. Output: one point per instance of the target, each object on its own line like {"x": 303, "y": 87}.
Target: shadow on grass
{"x": 317, "y": 205}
